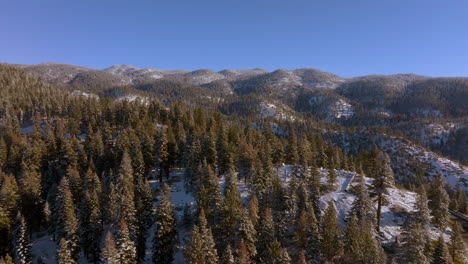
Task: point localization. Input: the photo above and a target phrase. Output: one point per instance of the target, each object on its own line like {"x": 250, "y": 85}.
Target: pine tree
{"x": 314, "y": 186}
{"x": 460, "y": 196}
{"x": 422, "y": 210}
{"x": 90, "y": 225}
{"x": 284, "y": 257}
{"x": 144, "y": 214}
{"x": 227, "y": 257}
{"x": 362, "y": 206}
{"x": 243, "y": 256}
{"x": 440, "y": 255}
{"x": 253, "y": 209}
{"x": 125, "y": 186}
{"x": 202, "y": 247}
{"x": 165, "y": 237}
{"x": 292, "y": 155}
{"x": 266, "y": 238}
{"x": 65, "y": 218}
{"x": 439, "y": 201}
{"x": 361, "y": 245}
{"x": 125, "y": 246}
{"x": 457, "y": 246}
{"x": 109, "y": 254}
{"x": 161, "y": 154}
{"x": 21, "y": 248}
{"x": 64, "y": 254}
{"x": 383, "y": 179}
{"x": 330, "y": 233}
{"x": 30, "y": 195}
{"x": 248, "y": 234}
{"x": 209, "y": 196}
{"x": 209, "y": 151}
{"x": 414, "y": 244}
{"x": 331, "y": 173}
{"x": 230, "y": 211}
{"x": 307, "y": 234}
{"x": 225, "y": 159}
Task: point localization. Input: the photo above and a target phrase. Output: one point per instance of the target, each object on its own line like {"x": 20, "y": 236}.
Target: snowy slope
{"x": 405, "y": 156}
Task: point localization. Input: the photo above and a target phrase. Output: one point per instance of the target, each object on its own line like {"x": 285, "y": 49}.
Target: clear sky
{"x": 347, "y": 37}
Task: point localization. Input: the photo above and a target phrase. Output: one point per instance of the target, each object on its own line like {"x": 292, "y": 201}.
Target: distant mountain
{"x": 397, "y": 102}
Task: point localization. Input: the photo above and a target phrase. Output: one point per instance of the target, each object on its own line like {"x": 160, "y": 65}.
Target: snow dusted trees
{"x": 231, "y": 207}
{"x": 202, "y": 247}
{"x": 64, "y": 254}
{"x": 457, "y": 246}
{"x": 65, "y": 218}
{"x": 439, "y": 202}
{"x": 331, "y": 244}
{"x": 307, "y": 235}
{"x": 415, "y": 243}
{"x": 21, "y": 247}
{"x": 361, "y": 246}
{"x": 383, "y": 179}
{"x": 441, "y": 255}
{"x": 109, "y": 254}
{"x": 362, "y": 206}
{"x": 126, "y": 250}
{"x": 165, "y": 237}
{"x": 126, "y": 192}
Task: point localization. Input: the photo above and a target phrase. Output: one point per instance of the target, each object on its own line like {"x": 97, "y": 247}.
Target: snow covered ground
{"x": 400, "y": 204}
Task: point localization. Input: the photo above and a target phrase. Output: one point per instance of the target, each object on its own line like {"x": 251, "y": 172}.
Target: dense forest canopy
{"x": 96, "y": 176}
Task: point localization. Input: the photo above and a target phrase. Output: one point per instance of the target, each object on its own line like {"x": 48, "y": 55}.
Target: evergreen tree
{"x": 361, "y": 245}
{"x": 161, "y": 155}
{"x": 331, "y": 244}
{"x": 144, "y": 214}
{"x": 64, "y": 254}
{"x": 457, "y": 246}
{"x": 225, "y": 159}
{"x": 331, "y": 174}
{"x": 30, "y": 195}
{"x": 209, "y": 196}
{"x": 227, "y": 257}
{"x": 292, "y": 154}
{"x": 248, "y": 235}
{"x": 21, "y": 248}
{"x": 243, "y": 256}
{"x": 66, "y": 221}
{"x": 414, "y": 244}
{"x": 266, "y": 238}
{"x": 126, "y": 192}
{"x": 307, "y": 235}
{"x": 362, "y": 206}
{"x": 253, "y": 209}
{"x": 422, "y": 210}
{"x": 230, "y": 211}
{"x": 165, "y": 237}
{"x": 440, "y": 255}
{"x": 125, "y": 246}
{"x": 460, "y": 197}
{"x": 109, "y": 254}
{"x": 439, "y": 201}
{"x": 383, "y": 179}
{"x": 202, "y": 247}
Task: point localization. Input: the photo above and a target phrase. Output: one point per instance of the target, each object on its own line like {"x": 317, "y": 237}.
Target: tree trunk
{"x": 379, "y": 211}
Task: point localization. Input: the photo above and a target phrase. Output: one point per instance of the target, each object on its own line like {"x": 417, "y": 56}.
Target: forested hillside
{"x": 204, "y": 167}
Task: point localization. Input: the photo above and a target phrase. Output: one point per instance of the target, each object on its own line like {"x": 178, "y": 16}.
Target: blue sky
{"x": 347, "y": 37}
